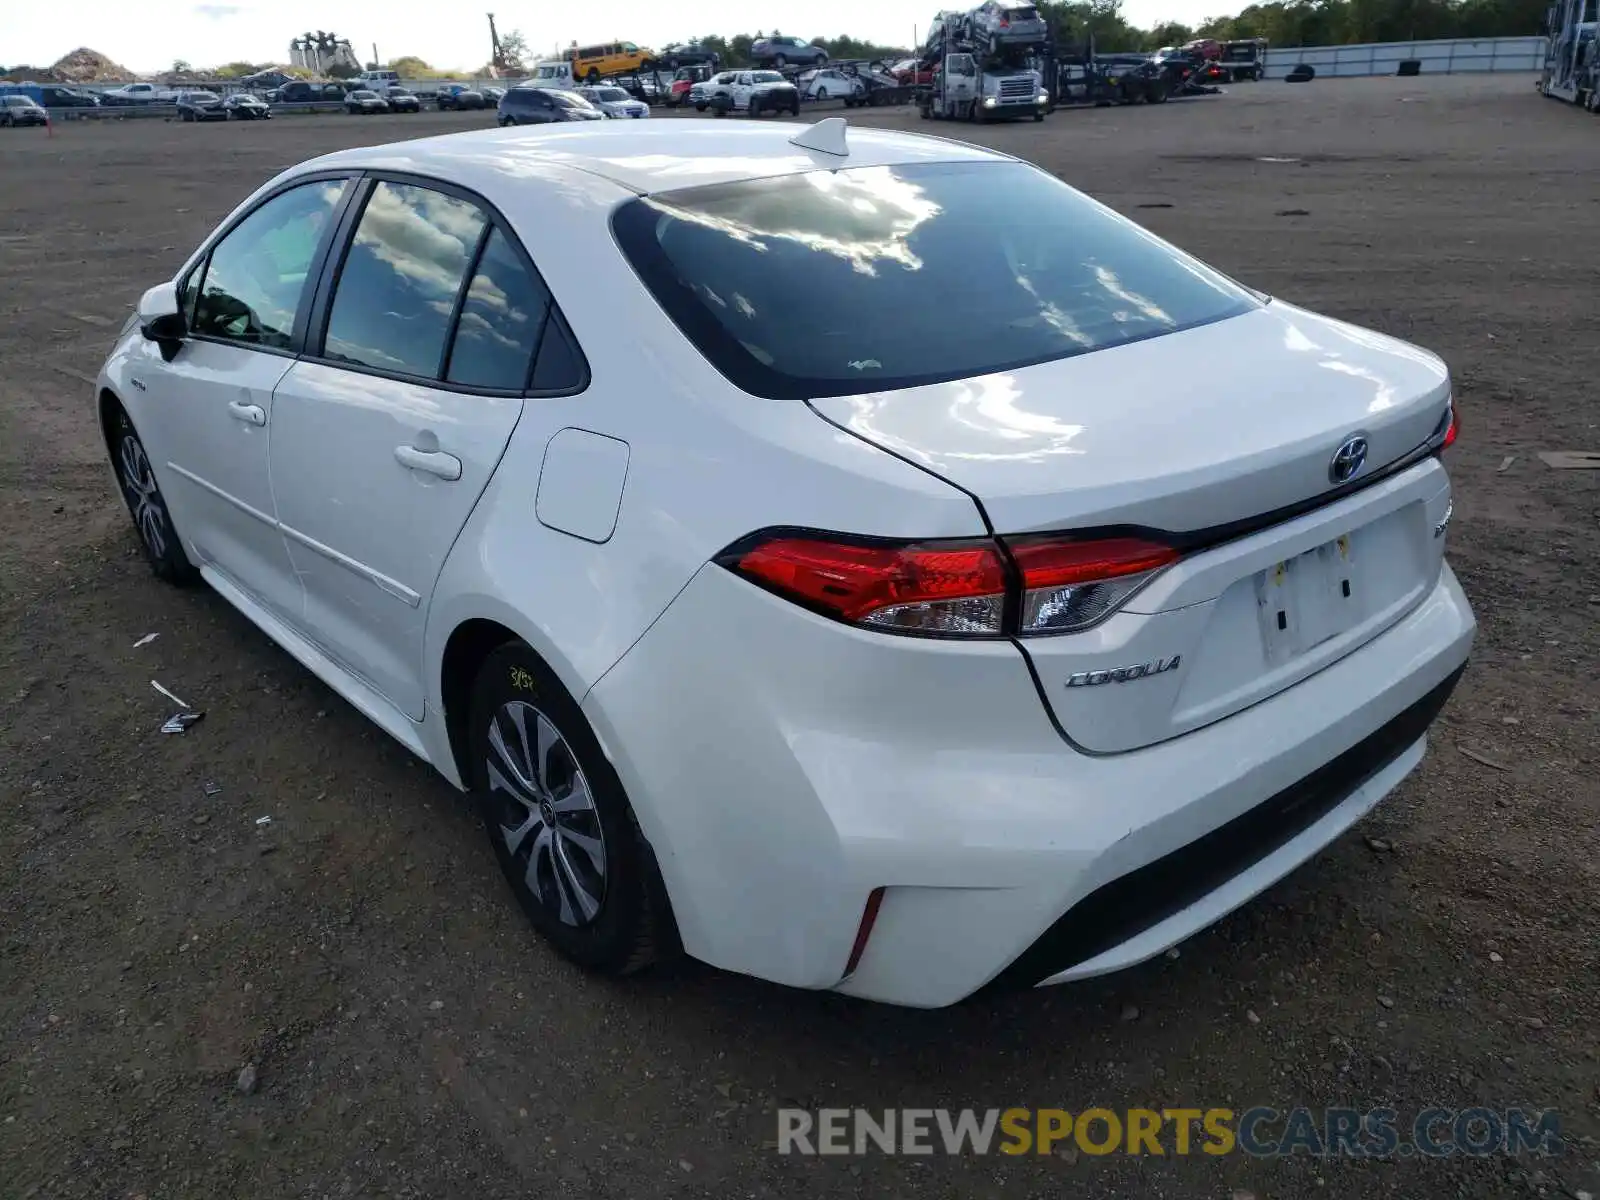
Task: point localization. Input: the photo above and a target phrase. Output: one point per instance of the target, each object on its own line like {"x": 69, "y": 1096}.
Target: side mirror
{"x": 160, "y": 319}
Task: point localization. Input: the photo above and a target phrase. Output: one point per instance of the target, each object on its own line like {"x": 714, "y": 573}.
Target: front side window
{"x": 253, "y": 283}
{"x": 834, "y": 283}
{"x": 397, "y": 289}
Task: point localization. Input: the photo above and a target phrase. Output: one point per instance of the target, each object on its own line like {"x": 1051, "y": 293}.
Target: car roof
{"x": 644, "y": 156}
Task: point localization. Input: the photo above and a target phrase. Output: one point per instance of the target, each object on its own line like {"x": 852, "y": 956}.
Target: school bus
{"x": 607, "y": 58}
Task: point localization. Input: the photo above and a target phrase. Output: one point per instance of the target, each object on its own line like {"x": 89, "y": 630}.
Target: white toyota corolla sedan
{"x": 793, "y": 541}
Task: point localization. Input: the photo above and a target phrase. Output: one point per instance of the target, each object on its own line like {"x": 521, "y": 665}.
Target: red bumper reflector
{"x": 869, "y": 917}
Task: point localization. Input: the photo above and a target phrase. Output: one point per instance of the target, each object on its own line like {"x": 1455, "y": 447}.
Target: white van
{"x": 378, "y": 81}
{"x": 551, "y": 74}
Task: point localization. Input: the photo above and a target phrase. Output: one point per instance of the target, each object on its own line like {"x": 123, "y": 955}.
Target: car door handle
{"x": 434, "y": 462}
{"x": 252, "y": 414}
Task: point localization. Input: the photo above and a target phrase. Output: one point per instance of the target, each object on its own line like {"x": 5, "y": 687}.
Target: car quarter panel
{"x": 706, "y": 465}
{"x": 934, "y": 773}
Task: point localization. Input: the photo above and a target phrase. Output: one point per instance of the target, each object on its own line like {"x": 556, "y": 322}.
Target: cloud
{"x": 217, "y": 11}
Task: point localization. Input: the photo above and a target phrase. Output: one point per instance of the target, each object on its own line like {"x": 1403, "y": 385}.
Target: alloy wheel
{"x": 544, "y": 813}
{"x": 144, "y": 498}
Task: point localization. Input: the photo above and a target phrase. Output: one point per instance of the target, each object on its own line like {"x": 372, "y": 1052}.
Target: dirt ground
{"x": 412, "y": 1038}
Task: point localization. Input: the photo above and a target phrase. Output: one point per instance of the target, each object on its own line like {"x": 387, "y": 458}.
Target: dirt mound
{"x": 81, "y": 66}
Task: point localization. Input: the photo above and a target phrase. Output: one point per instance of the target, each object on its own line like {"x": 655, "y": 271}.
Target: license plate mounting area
{"x": 1303, "y": 601}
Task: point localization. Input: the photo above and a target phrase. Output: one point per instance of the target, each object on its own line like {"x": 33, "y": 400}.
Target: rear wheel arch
{"x": 468, "y": 647}
{"x": 471, "y": 647}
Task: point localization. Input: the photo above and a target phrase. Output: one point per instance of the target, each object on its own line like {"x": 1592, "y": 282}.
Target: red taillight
{"x": 1070, "y": 585}
{"x": 1032, "y": 584}
{"x": 955, "y": 588}
{"x": 1453, "y": 428}
{"x": 1069, "y": 564}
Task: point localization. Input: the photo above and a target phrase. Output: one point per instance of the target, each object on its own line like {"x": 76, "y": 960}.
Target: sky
{"x": 149, "y": 36}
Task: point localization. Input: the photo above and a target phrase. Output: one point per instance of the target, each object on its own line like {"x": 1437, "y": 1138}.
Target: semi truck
{"x": 980, "y": 77}
{"x": 1571, "y": 69}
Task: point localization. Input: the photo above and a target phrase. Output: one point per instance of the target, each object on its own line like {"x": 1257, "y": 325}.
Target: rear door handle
{"x": 434, "y": 462}
{"x": 251, "y": 414}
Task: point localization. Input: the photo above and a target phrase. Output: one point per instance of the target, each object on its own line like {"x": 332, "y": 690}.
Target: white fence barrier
{"x": 1448, "y": 56}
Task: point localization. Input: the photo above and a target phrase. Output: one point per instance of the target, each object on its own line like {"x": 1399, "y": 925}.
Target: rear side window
{"x": 397, "y": 290}
{"x": 835, "y": 283}
{"x": 501, "y": 319}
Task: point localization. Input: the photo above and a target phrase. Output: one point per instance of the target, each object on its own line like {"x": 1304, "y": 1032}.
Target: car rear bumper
{"x": 783, "y": 767}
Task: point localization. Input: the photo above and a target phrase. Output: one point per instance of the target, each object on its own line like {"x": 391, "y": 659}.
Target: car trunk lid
{"x": 1287, "y": 563}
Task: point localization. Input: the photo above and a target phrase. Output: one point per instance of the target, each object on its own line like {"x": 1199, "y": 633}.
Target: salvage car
{"x": 364, "y": 102}
{"x": 242, "y": 106}
{"x": 996, "y": 24}
{"x": 21, "y": 110}
{"x": 201, "y": 106}
{"x": 752, "y": 93}
{"x": 458, "y": 97}
{"x": 830, "y": 83}
{"x": 786, "y": 51}
{"x": 786, "y": 537}
{"x": 614, "y": 101}
{"x": 402, "y": 100}
{"x": 544, "y": 106}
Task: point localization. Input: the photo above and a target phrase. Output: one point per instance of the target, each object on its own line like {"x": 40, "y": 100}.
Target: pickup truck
{"x": 139, "y": 93}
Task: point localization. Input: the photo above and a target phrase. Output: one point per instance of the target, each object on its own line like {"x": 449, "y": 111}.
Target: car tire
{"x": 152, "y": 519}
{"x": 822, "y": 94}
{"x": 754, "y": 110}
{"x": 780, "y": 61}
{"x": 562, "y": 830}
{"x": 700, "y": 108}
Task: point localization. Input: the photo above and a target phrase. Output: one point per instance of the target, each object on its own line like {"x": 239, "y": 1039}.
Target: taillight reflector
{"x": 869, "y": 918}
{"x": 1453, "y": 429}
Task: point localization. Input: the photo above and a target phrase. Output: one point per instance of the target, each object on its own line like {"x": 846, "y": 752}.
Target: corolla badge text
{"x": 1124, "y": 674}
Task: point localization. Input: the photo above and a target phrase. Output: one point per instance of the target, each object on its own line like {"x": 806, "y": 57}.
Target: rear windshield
{"x": 767, "y": 77}
{"x": 834, "y": 283}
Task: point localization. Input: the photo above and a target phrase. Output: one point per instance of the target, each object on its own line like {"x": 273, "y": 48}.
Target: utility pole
{"x": 376, "y": 61}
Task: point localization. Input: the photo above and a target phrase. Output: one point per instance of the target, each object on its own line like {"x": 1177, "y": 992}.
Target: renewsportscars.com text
{"x": 1261, "y": 1132}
